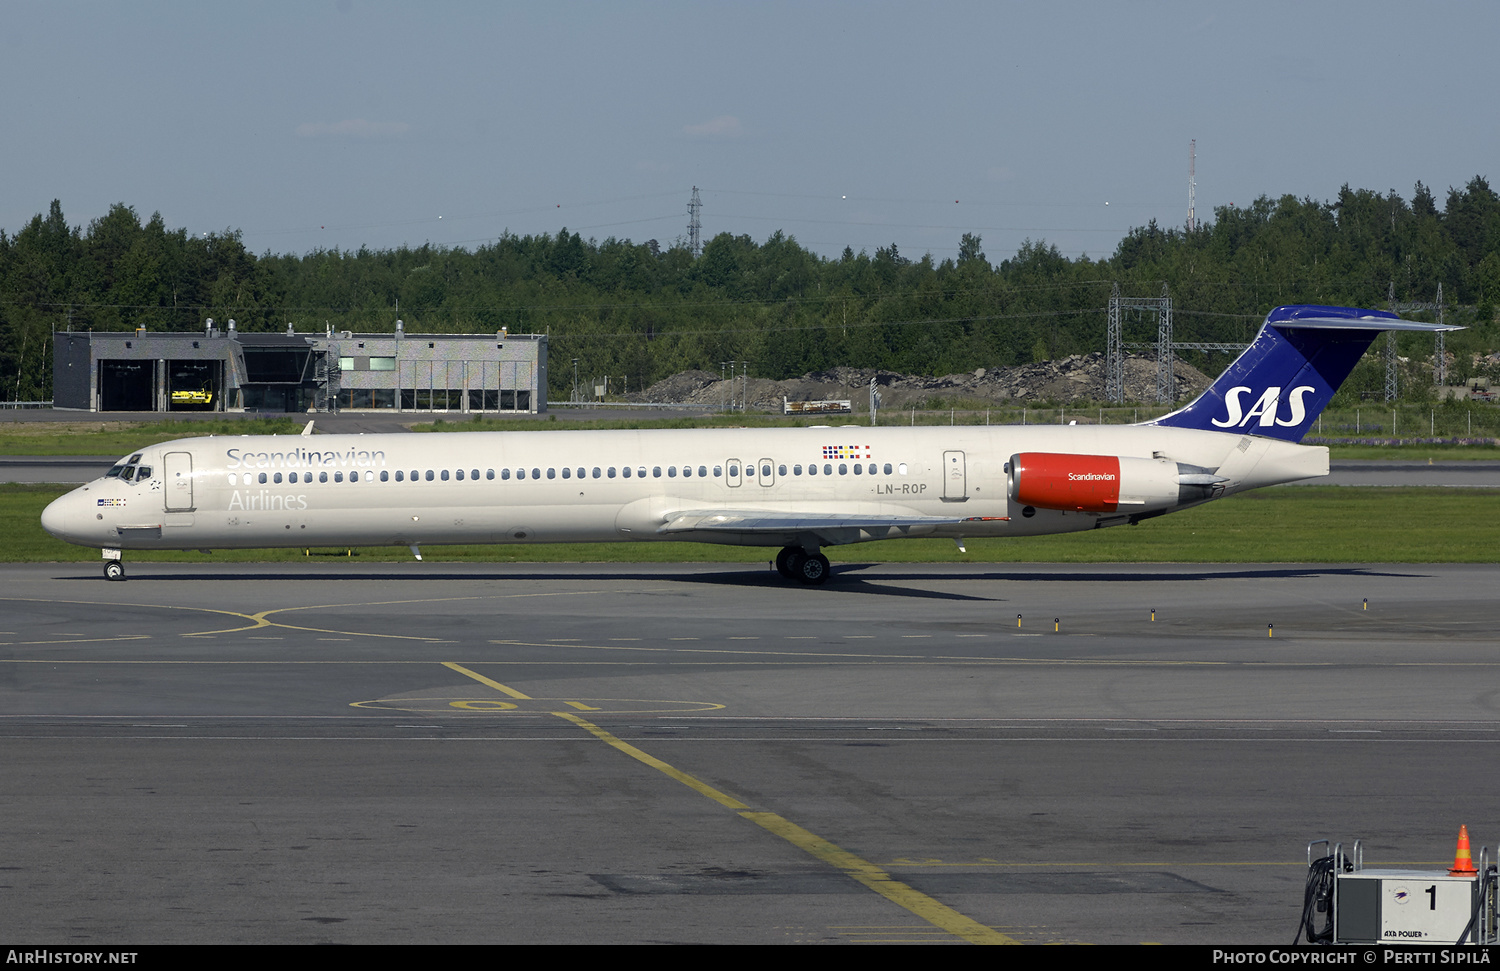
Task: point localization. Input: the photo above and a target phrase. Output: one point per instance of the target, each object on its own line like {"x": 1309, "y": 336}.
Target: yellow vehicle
{"x": 202, "y": 396}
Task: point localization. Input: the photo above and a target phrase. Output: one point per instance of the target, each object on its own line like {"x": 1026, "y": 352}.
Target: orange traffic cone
{"x": 1463, "y": 861}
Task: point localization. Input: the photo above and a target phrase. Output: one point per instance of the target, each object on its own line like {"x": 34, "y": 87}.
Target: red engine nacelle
{"x": 1092, "y": 483}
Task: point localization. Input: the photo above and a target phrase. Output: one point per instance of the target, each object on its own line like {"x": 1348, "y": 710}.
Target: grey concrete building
{"x": 226, "y": 370}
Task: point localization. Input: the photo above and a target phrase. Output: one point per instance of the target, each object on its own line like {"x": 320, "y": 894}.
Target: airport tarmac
{"x": 429, "y": 752}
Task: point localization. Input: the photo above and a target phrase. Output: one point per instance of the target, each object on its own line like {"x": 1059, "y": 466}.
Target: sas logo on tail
{"x": 1264, "y": 409}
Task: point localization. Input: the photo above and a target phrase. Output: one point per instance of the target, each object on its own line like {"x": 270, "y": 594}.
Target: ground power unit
{"x": 1347, "y": 903}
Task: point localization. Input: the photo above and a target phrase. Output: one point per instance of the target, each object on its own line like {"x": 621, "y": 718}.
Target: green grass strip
{"x": 1294, "y": 524}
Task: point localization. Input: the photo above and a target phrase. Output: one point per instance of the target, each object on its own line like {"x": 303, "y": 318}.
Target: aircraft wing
{"x": 831, "y": 528}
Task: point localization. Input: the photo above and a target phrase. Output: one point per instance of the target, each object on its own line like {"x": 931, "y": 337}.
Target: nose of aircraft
{"x": 55, "y": 517}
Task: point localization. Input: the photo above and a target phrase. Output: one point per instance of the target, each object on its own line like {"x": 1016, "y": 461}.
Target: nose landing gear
{"x": 114, "y": 570}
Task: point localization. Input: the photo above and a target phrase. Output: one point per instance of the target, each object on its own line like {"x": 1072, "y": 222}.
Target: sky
{"x": 336, "y": 124}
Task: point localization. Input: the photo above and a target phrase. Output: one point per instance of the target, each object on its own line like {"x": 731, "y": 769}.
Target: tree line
{"x": 639, "y": 312}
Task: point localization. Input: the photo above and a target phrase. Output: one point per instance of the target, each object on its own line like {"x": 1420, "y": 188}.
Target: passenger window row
{"x": 610, "y": 472}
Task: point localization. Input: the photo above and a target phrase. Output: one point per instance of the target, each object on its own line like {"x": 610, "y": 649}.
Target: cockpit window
{"x": 143, "y": 474}
{"x": 114, "y": 472}
{"x": 128, "y": 473}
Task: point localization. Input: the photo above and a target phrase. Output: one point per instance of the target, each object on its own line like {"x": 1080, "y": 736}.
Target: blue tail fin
{"x": 1284, "y": 380}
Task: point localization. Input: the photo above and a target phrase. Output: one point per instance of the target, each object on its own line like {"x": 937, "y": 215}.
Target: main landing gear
{"x": 795, "y": 563}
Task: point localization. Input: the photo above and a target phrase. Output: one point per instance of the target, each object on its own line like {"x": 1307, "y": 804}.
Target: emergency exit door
{"x": 955, "y": 477}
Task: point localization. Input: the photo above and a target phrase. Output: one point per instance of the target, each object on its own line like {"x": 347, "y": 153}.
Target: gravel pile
{"x": 1077, "y": 378}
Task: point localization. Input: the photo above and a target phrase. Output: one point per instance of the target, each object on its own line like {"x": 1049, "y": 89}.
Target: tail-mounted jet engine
{"x": 1105, "y": 483}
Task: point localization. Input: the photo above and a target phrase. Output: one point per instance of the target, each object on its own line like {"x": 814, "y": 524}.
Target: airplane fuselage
{"x": 850, "y": 484}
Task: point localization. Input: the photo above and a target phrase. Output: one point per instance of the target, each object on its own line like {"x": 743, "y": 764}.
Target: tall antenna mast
{"x": 695, "y": 228}
{"x": 1192, "y": 222}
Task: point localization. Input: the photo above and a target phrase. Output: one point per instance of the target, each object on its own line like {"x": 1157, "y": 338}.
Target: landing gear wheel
{"x": 812, "y": 569}
{"x": 114, "y": 570}
{"x": 784, "y": 561}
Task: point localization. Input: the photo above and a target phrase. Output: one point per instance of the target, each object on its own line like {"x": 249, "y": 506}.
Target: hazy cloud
{"x": 724, "y": 126}
{"x": 353, "y": 127}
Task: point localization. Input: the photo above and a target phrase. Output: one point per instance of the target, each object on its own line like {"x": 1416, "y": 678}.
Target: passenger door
{"x": 177, "y": 475}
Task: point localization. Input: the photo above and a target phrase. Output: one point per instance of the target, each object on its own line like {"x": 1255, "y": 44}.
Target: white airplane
{"x": 799, "y": 489}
